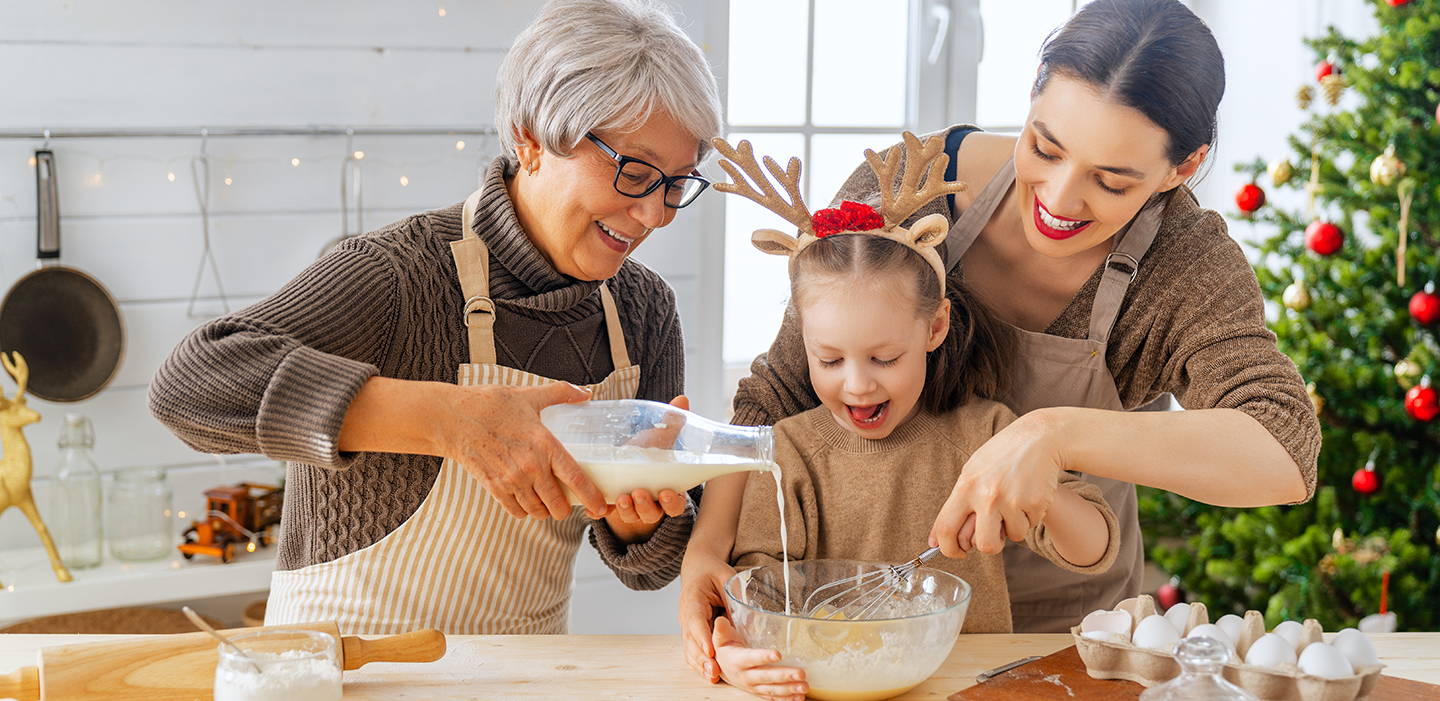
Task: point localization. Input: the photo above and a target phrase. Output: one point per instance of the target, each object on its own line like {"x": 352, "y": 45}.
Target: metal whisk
{"x": 862, "y": 594}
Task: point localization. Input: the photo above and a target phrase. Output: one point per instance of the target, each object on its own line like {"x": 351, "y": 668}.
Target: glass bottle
{"x": 1202, "y": 660}
{"x": 75, "y": 496}
{"x": 628, "y": 444}
{"x": 138, "y": 514}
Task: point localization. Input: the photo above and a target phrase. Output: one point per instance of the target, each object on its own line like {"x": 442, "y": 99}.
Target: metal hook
{"x": 46, "y": 146}
{"x": 200, "y": 174}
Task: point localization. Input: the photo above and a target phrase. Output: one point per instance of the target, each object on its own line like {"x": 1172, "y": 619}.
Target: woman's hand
{"x": 492, "y": 431}
{"x": 1006, "y": 488}
{"x": 755, "y": 671}
{"x": 702, "y": 590}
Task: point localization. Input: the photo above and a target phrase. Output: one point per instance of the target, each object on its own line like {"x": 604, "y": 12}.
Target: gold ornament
{"x": 1280, "y": 171}
{"x": 1337, "y": 540}
{"x": 1296, "y": 296}
{"x": 16, "y": 467}
{"x": 1437, "y": 536}
{"x": 1386, "y": 168}
{"x": 1407, "y": 373}
{"x": 1333, "y": 86}
{"x": 1304, "y": 96}
{"x": 1315, "y": 398}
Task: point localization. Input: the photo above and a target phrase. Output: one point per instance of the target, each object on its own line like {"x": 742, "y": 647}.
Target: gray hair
{"x": 586, "y": 65}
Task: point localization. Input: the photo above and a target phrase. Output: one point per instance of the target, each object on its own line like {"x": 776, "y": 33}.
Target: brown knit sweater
{"x": 1192, "y": 324}
{"x": 853, "y": 498}
{"x": 277, "y": 377}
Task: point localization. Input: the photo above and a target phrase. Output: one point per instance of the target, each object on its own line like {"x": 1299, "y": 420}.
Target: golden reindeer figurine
{"x": 16, "y": 466}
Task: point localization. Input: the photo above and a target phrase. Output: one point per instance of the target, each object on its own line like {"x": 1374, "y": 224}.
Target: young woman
{"x": 1081, "y": 235}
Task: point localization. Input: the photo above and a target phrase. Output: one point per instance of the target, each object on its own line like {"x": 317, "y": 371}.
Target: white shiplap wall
{"x": 88, "y": 64}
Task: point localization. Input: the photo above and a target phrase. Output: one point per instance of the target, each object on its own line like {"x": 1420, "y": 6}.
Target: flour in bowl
{"x": 294, "y": 675}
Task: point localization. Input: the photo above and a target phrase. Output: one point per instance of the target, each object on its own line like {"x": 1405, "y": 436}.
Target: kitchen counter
{"x": 653, "y": 666}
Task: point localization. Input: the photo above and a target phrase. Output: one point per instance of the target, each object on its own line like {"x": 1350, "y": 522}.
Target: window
{"x": 824, "y": 101}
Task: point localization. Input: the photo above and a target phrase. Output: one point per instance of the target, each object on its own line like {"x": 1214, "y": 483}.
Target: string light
{"x": 359, "y": 155}
{"x": 459, "y": 145}
{"x": 294, "y": 161}
{"x": 32, "y": 161}
{"x": 442, "y": 9}
{"x": 170, "y": 177}
{"x": 181, "y": 514}
{"x": 227, "y": 181}
{"x": 404, "y": 181}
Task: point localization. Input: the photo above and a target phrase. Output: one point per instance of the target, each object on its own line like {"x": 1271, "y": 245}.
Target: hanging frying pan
{"x": 64, "y": 322}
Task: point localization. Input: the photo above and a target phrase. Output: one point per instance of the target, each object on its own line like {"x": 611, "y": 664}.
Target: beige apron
{"x": 1054, "y": 371}
{"x": 460, "y": 563}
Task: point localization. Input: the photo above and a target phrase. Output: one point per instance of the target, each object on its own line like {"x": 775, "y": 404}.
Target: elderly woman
{"x": 349, "y": 372}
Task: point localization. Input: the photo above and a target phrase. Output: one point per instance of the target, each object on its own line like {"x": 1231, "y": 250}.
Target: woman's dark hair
{"x": 1154, "y": 56}
{"x": 973, "y": 360}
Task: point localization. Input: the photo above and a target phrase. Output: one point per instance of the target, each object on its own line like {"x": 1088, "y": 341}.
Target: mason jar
{"x": 139, "y": 523}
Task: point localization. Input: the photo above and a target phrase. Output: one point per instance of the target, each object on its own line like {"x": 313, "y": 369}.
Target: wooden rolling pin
{"x": 181, "y": 667}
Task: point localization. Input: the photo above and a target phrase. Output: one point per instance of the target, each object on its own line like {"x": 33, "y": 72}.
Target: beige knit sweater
{"x": 853, "y": 498}
{"x": 277, "y": 377}
{"x": 1192, "y": 324}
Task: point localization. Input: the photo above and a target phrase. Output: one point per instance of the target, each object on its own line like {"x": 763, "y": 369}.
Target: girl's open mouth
{"x": 870, "y": 416}
{"x": 1058, "y": 228}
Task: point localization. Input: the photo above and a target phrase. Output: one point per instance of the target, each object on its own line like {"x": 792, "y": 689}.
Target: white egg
{"x": 1355, "y": 647}
{"x": 1290, "y": 630}
{"x": 1323, "y": 660}
{"x": 1102, "y": 620}
{"x": 1108, "y": 636}
{"x": 1210, "y": 630}
{"x": 1232, "y": 625}
{"x": 1178, "y": 615}
{"x": 1156, "y": 633}
{"x": 1270, "y": 650}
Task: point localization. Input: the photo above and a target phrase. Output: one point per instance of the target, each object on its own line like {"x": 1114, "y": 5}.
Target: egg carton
{"x": 1113, "y": 659}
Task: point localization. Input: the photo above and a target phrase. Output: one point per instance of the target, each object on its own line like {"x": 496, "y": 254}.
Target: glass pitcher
{"x": 1202, "y": 660}
{"x": 629, "y": 444}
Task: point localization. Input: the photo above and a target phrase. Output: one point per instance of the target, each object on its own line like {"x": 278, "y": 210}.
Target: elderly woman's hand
{"x": 1004, "y": 490}
{"x": 500, "y": 441}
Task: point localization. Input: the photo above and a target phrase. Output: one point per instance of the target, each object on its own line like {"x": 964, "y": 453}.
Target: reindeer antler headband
{"x": 851, "y": 217}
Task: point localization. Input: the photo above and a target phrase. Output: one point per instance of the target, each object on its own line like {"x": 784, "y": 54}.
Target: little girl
{"x": 899, "y": 357}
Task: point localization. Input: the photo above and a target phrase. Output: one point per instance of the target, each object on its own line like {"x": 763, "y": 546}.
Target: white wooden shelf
{"x": 30, "y": 589}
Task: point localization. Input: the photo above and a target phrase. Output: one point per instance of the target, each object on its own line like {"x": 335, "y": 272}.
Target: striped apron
{"x": 460, "y": 563}
{"x": 1053, "y": 371}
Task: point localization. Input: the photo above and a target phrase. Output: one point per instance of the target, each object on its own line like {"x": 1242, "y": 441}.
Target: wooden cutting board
{"x": 1063, "y": 676}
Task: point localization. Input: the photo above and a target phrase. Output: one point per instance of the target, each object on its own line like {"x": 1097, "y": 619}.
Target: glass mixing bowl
{"x": 850, "y": 660}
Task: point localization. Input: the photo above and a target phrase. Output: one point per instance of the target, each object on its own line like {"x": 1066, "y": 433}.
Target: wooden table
{"x": 653, "y": 666}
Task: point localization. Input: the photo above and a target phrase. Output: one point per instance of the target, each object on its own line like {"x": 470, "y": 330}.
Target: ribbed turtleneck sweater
{"x": 278, "y": 377}
{"x": 854, "y": 498}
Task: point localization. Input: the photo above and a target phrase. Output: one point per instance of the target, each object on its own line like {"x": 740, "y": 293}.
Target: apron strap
{"x": 472, "y": 265}
{"x": 967, "y": 227}
{"x": 1121, "y": 267}
{"x": 618, "y": 354}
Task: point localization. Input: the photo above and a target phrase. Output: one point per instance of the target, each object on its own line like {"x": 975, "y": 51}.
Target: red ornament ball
{"x": 1169, "y": 594}
{"x": 1323, "y": 69}
{"x": 1397, "y": 3}
{"x": 1249, "y": 198}
{"x": 1422, "y": 403}
{"x": 1365, "y": 481}
{"x": 1323, "y": 237}
{"x": 1425, "y": 307}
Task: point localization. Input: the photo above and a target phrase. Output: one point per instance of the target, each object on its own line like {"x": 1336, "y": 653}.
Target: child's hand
{"x": 754, "y": 670}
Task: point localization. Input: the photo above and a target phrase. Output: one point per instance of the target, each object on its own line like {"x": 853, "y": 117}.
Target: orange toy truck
{"x": 244, "y": 513}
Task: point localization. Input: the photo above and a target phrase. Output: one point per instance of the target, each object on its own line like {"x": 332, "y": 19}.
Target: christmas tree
{"x": 1351, "y": 280}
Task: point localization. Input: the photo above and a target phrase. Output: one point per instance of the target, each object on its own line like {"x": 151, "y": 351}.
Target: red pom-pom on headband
{"x": 851, "y": 216}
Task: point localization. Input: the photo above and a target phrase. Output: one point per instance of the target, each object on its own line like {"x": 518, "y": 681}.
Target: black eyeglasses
{"x": 636, "y": 178}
